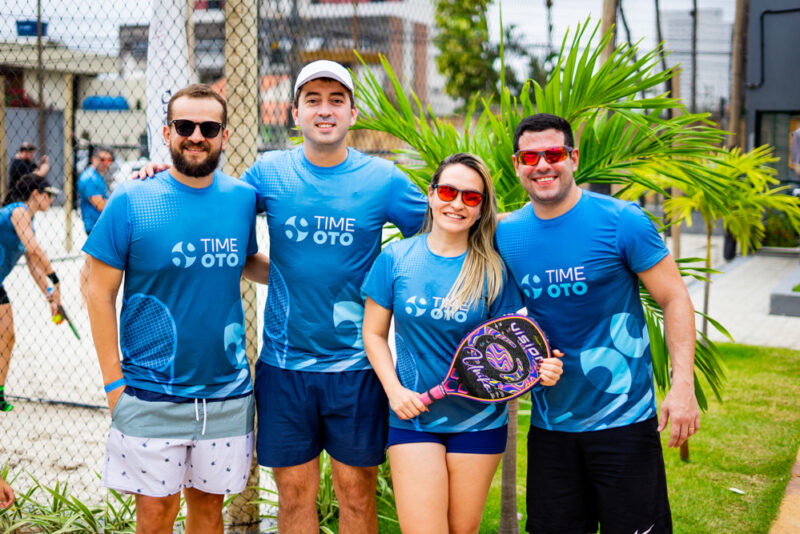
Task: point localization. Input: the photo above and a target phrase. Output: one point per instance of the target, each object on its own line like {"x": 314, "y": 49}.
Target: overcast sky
{"x": 529, "y": 16}
{"x": 93, "y": 23}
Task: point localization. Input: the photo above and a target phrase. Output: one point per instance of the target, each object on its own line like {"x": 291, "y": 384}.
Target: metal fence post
{"x": 69, "y": 177}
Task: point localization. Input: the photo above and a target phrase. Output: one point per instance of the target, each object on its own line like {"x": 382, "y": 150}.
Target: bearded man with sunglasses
{"x": 579, "y": 257}
{"x": 181, "y": 398}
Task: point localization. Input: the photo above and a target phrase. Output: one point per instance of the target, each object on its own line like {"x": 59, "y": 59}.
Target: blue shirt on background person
{"x": 90, "y": 184}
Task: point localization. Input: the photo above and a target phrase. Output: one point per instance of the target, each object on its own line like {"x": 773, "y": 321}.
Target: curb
{"x": 788, "y": 520}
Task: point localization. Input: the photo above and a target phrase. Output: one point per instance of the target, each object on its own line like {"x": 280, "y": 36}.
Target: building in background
{"x": 294, "y": 32}
{"x": 772, "y": 98}
{"x": 713, "y": 55}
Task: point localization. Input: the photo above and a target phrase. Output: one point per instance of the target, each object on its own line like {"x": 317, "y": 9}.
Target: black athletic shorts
{"x": 613, "y": 477}
{"x": 4, "y": 296}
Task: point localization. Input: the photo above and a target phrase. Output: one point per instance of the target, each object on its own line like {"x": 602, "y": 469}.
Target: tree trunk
{"x": 707, "y": 285}
{"x": 241, "y": 73}
{"x": 738, "y": 62}
{"x": 509, "y": 524}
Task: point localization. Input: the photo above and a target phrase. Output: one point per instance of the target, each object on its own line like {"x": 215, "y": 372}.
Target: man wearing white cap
{"x": 326, "y": 206}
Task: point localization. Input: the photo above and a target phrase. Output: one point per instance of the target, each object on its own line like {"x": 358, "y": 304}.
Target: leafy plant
{"x": 623, "y": 137}
{"x": 778, "y": 230}
{"x": 465, "y": 55}
{"x": 751, "y": 189}
{"x": 51, "y": 509}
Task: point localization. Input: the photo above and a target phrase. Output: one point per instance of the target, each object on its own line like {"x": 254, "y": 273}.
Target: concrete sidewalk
{"x": 739, "y": 299}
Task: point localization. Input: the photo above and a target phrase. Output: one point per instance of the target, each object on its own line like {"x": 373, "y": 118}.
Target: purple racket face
{"x": 498, "y": 360}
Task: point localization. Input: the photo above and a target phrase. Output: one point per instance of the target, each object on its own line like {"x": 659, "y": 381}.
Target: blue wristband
{"x": 114, "y": 385}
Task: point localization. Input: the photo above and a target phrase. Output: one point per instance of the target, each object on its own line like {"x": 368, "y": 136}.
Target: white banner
{"x": 167, "y": 69}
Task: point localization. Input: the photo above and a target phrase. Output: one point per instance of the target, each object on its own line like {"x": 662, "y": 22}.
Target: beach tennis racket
{"x": 495, "y": 362}
{"x": 62, "y": 316}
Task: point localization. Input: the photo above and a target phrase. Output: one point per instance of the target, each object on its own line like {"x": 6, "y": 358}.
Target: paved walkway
{"x": 739, "y": 299}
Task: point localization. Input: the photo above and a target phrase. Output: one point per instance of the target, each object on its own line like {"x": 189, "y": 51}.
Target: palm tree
{"x": 622, "y": 134}
{"x": 752, "y": 190}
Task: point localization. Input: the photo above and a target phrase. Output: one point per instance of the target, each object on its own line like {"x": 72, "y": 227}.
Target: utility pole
{"x": 736, "y": 100}
{"x": 40, "y": 74}
{"x": 737, "y": 73}
{"x": 694, "y": 57}
{"x": 607, "y": 24}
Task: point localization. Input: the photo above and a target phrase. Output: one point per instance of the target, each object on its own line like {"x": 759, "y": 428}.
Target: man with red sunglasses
{"x": 579, "y": 257}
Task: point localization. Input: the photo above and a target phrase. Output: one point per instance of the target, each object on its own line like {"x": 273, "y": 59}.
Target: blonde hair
{"x": 481, "y": 274}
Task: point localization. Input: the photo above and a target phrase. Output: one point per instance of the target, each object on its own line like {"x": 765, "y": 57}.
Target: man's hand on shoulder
{"x": 149, "y": 170}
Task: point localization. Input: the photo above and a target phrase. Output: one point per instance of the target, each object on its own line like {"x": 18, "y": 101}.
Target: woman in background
{"x": 28, "y": 196}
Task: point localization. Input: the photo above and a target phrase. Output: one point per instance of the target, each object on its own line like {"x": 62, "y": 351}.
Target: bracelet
{"x": 114, "y": 385}
{"x": 53, "y": 278}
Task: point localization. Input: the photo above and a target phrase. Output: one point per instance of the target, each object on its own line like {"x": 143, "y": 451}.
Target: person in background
{"x": 6, "y": 494}
{"x": 23, "y": 163}
{"x": 29, "y": 195}
{"x": 93, "y": 194}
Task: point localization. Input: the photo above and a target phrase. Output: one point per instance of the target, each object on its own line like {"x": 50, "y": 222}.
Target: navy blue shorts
{"x": 300, "y": 413}
{"x": 615, "y": 477}
{"x": 492, "y": 441}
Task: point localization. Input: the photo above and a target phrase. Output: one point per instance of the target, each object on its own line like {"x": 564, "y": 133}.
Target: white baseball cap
{"x": 323, "y": 68}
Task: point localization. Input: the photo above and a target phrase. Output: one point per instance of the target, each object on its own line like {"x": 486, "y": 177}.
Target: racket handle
{"x": 435, "y": 393}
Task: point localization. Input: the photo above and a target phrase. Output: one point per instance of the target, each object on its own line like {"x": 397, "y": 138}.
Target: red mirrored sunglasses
{"x": 448, "y": 193}
{"x": 551, "y": 155}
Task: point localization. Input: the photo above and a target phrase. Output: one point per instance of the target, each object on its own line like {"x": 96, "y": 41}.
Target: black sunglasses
{"x": 208, "y": 129}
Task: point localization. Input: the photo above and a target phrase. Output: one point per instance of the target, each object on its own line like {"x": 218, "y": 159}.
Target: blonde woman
{"x": 438, "y": 286}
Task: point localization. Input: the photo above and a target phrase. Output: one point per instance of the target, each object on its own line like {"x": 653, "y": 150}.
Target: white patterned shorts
{"x": 158, "y": 448}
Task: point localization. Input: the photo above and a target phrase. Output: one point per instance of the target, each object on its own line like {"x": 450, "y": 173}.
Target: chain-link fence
{"x": 74, "y": 77}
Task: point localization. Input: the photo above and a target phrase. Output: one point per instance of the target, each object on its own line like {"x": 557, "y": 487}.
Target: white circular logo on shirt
{"x": 416, "y": 306}
{"x": 292, "y": 228}
{"x": 183, "y": 257}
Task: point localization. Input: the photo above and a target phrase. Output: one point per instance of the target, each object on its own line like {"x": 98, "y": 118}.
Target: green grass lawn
{"x": 748, "y": 442}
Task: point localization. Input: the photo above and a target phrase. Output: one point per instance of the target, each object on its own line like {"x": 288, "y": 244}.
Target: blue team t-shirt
{"x": 183, "y": 251}
{"x": 325, "y": 227}
{"x": 412, "y": 282}
{"x": 90, "y": 184}
{"x": 11, "y": 248}
{"x": 578, "y": 274}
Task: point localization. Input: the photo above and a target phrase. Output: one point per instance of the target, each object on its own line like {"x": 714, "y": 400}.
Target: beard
{"x": 195, "y": 170}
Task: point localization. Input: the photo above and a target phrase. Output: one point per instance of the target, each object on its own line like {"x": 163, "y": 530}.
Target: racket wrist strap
{"x": 114, "y": 385}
